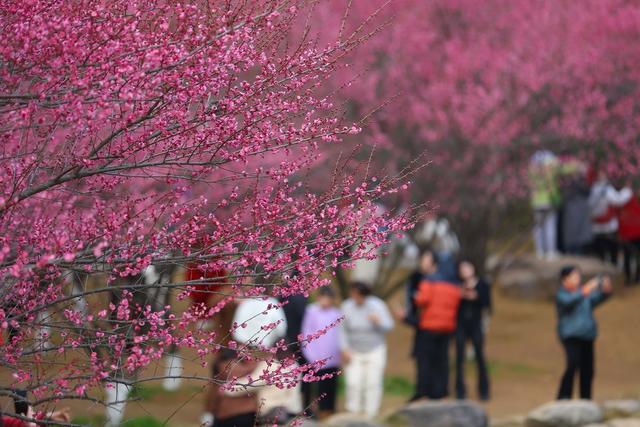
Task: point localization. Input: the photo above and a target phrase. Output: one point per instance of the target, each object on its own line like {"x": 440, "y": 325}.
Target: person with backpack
{"x": 577, "y": 328}
{"x": 603, "y": 202}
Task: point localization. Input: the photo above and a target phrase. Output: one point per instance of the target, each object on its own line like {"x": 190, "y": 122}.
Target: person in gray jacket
{"x": 364, "y": 351}
{"x": 577, "y": 327}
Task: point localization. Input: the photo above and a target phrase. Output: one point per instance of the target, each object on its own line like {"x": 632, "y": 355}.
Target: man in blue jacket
{"x": 577, "y": 327}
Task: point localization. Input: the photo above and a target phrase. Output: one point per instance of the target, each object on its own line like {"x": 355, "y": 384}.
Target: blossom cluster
{"x": 140, "y": 134}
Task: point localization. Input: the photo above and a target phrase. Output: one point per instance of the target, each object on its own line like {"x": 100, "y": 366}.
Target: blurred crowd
{"x": 445, "y": 301}
{"x": 578, "y": 210}
{"x": 304, "y": 344}
{"x": 285, "y": 355}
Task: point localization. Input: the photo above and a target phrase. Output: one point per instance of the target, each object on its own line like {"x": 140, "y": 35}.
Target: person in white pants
{"x": 545, "y": 232}
{"x": 364, "y": 381}
{"x": 544, "y": 171}
{"x": 364, "y": 352}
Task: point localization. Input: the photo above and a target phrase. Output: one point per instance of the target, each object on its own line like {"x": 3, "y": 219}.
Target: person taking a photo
{"x": 577, "y": 327}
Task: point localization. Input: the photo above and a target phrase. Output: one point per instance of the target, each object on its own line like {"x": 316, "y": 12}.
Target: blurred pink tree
{"x": 138, "y": 133}
{"x": 479, "y": 86}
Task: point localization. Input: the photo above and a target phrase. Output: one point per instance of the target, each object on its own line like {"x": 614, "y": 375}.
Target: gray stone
{"x": 565, "y": 413}
{"x": 624, "y": 422}
{"x": 527, "y": 277}
{"x": 455, "y": 413}
{"x": 621, "y": 408}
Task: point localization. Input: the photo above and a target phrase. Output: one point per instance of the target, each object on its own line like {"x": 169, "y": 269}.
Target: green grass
{"x": 398, "y": 386}
{"x": 99, "y": 421}
{"x": 341, "y": 385}
{"x": 393, "y": 385}
{"x": 147, "y": 392}
{"x": 146, "y": 421}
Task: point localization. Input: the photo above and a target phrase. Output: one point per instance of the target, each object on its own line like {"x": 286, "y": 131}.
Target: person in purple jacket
{"x": 326, "y": 347}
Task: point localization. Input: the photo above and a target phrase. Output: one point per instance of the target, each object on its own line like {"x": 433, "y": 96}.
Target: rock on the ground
{"x": 349, "y": 420}
{"x": 455, "y": 413}
{"x": 565, "y": 413}
{"x": 624, "y": 422}
{"x": 621, "y": 408}
{"x": 528, "y": 277}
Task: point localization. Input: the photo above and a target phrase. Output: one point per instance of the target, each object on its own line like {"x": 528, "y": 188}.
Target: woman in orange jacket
{"x": 437, "y": 299}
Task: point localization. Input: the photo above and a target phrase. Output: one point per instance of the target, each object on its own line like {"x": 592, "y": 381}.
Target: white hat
{"x": 542, "y": 157}
{"x": 252, "y": 314}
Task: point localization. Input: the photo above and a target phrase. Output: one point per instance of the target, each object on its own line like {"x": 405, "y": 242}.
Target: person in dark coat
{"x": 294, "y": 308}
{"x": 409, "y": 314}
{"x": 577, "y": 231}
{"x": 426, "y": 266}
{"x": 577, "y": 327}
{"x": 474, "y": 306}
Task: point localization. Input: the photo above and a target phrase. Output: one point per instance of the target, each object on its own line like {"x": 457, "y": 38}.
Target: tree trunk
{"x": 474, "y": 233}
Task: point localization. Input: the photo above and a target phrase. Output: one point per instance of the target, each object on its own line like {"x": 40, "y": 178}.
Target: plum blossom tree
{"x": 140, "y": 133}
{"x": 480, "y": 86}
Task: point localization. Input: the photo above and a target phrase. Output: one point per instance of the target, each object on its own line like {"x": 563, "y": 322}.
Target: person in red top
{"x": 62, "y": 416}
{"x": 207, "y": 282}
{"x": 210, "y": 286}
{"x": 12, "y": 422}
{"x": 6, "y": 421}
{"x": 437, "y": 299}
{"x": 629, "y": 235}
